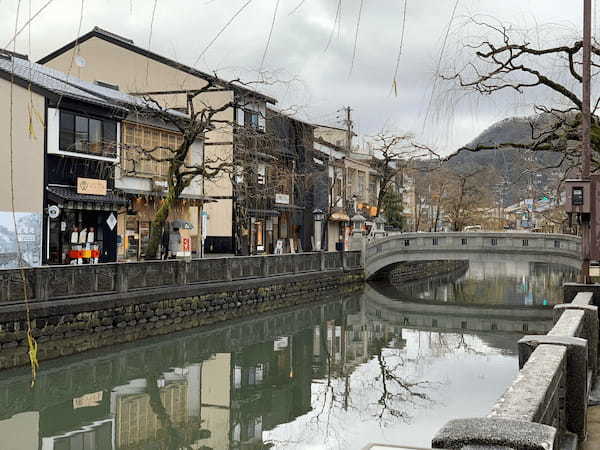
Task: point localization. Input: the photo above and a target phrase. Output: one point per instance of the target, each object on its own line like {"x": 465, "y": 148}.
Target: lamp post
{"x": 318, "y": 217}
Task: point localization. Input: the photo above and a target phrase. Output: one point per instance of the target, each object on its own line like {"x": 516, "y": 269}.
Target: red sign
{"x": 187, "y": 244}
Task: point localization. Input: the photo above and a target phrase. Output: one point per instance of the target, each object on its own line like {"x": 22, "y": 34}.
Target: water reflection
{"x": 334, "y": 375}
{"x": 497, "y": 282}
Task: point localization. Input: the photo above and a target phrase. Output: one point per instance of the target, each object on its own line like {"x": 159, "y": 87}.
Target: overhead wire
{"x": 262, "y": 61}
{"x": 395, "y": 78}
{"x": 360, "y": 8}
{"x": 222, "y": 30}
{"x": 18, "y": 32}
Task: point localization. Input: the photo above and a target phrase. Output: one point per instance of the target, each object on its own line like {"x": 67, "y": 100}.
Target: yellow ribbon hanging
{"x": 32, "y": 344}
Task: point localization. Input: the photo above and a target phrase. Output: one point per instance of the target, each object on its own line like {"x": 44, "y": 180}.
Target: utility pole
{"x": 586, "y": 132}
{"x": 349, "y": 125}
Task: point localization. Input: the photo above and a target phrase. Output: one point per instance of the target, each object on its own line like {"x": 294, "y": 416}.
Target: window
{"x": 525, "y": 243}
{"x": 82, "y": 134}
{"x": 137, "y": 137}
{"x": 251, "y": 119}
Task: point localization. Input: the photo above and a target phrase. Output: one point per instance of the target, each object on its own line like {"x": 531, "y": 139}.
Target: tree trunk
{"x": 158, "y": 223}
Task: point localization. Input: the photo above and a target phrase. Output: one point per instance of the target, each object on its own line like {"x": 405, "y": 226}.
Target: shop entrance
{"x": 82, "y": 237}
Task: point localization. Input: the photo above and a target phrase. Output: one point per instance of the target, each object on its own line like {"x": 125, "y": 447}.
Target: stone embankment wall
{"x": 65, "y": 326}
{"x": 404, "y": 272}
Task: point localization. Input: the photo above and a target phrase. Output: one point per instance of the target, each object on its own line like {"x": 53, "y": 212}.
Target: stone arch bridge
{"x": 472, "y": 246}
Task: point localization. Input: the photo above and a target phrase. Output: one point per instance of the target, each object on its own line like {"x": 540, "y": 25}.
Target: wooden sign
{"x": 91, "y": 186}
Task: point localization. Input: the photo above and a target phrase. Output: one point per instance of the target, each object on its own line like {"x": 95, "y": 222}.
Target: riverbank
{"x": 65, "y": 326}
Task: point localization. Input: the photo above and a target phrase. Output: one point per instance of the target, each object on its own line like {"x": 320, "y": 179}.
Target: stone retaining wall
{"x": 73, "y": 325}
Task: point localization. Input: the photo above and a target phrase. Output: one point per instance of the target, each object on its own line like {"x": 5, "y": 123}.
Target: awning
{"x": 67, "y": 197}
{"x": 263, "y": 213}
{"x": 132, "y": 191}
{"x": 339, "y": 217}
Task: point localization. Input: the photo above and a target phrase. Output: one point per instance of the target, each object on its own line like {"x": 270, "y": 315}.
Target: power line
{"x": 356, "y": 36}
{"x": 394, "y": 80}
{"x": 262, "y": 61}
{"x": 17, "y": 32}
{"x": 336, "y": 21}
{"x": 232, "y": 18}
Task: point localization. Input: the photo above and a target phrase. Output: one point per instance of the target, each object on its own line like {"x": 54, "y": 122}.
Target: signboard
{"x": 282, "y": 199}
{"x": 91, "y": 186}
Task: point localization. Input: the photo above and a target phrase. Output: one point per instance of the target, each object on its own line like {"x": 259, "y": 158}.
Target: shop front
{"x": 81, "y": 223}
{"x": 181, "y": 234}
{"x": 338, "y": 231}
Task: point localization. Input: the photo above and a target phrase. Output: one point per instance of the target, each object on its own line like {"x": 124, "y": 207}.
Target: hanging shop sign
{"x": 282, "y": 199}
{"x": 111, "y": 221}
{"x": 91, "y": 186}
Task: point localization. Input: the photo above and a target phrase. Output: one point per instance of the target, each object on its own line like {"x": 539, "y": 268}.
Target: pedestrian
{"x": 164, "y": 242}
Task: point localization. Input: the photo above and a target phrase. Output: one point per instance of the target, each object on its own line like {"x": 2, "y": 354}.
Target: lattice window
{"x": 138, "y": 137}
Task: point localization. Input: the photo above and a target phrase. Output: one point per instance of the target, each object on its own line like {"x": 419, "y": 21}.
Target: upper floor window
{"x": 251, "y": 119}
{"x": 139, "y": 142}
{"x": 83, "y": 134}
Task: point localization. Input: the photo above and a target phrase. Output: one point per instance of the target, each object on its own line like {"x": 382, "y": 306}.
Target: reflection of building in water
{"x": 271, "y": 385}
{"x": 136, "y": 417}
{"x": 21, "y": 432}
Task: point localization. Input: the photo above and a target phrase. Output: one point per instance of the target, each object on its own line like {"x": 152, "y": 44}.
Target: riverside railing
{"x": 545, "y": 408}
{"x": 60, "y": 282}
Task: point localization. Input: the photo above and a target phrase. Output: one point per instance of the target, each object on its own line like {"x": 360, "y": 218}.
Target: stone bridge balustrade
{"x": 398, "y": 247}
{"x": 545, "y": 408}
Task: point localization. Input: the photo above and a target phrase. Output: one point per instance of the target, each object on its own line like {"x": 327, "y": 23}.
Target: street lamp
{"x": 357, "y": 224}
{"x": 318, "y": 216}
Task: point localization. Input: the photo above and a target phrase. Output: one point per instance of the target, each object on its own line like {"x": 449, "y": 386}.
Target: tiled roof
{"x": 66, "y": 85}
{"x": 70, "y": 194}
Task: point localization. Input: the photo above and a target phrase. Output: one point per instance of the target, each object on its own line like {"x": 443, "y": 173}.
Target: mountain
{"x": 523, "y": 172}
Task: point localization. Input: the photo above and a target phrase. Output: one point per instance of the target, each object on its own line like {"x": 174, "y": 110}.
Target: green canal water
{"x": 337, "y": 374}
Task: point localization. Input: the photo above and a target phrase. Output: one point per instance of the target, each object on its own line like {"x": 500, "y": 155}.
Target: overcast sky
{"x": 316, "y": 80}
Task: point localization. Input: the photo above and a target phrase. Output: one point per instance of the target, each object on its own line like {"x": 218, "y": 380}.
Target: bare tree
{"x": 505, "y": 60}
{"x": 181, "y": 169}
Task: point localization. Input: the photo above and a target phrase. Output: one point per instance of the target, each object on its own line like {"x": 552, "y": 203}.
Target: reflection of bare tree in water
{"x": 395, "y": 391}
{"x": 396, "y": 394}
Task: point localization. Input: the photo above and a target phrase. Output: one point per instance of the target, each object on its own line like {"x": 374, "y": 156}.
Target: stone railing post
{"x": 590, "y": 330}
{"x": 576, "y": 376}
{"x": 121, "y": 281}
{"x": 228, "y": 276}
{"x": 41, "y": 284}
{"x": 263, "y": 266}
{"x": 345, "y": 264}
{"x": 322, "y": 260}
{"x": 183, "y": 267}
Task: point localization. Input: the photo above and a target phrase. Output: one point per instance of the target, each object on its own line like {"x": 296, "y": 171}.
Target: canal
{"x": 337, "y": 374}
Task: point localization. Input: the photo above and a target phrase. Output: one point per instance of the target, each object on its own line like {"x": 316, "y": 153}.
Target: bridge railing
{"x": 474, "y": 241}
{"x": 546, "y": 405}
{"x": 60, "y": 282}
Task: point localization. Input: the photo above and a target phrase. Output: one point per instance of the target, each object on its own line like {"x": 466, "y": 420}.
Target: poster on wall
{"x": 29, "y": 232}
